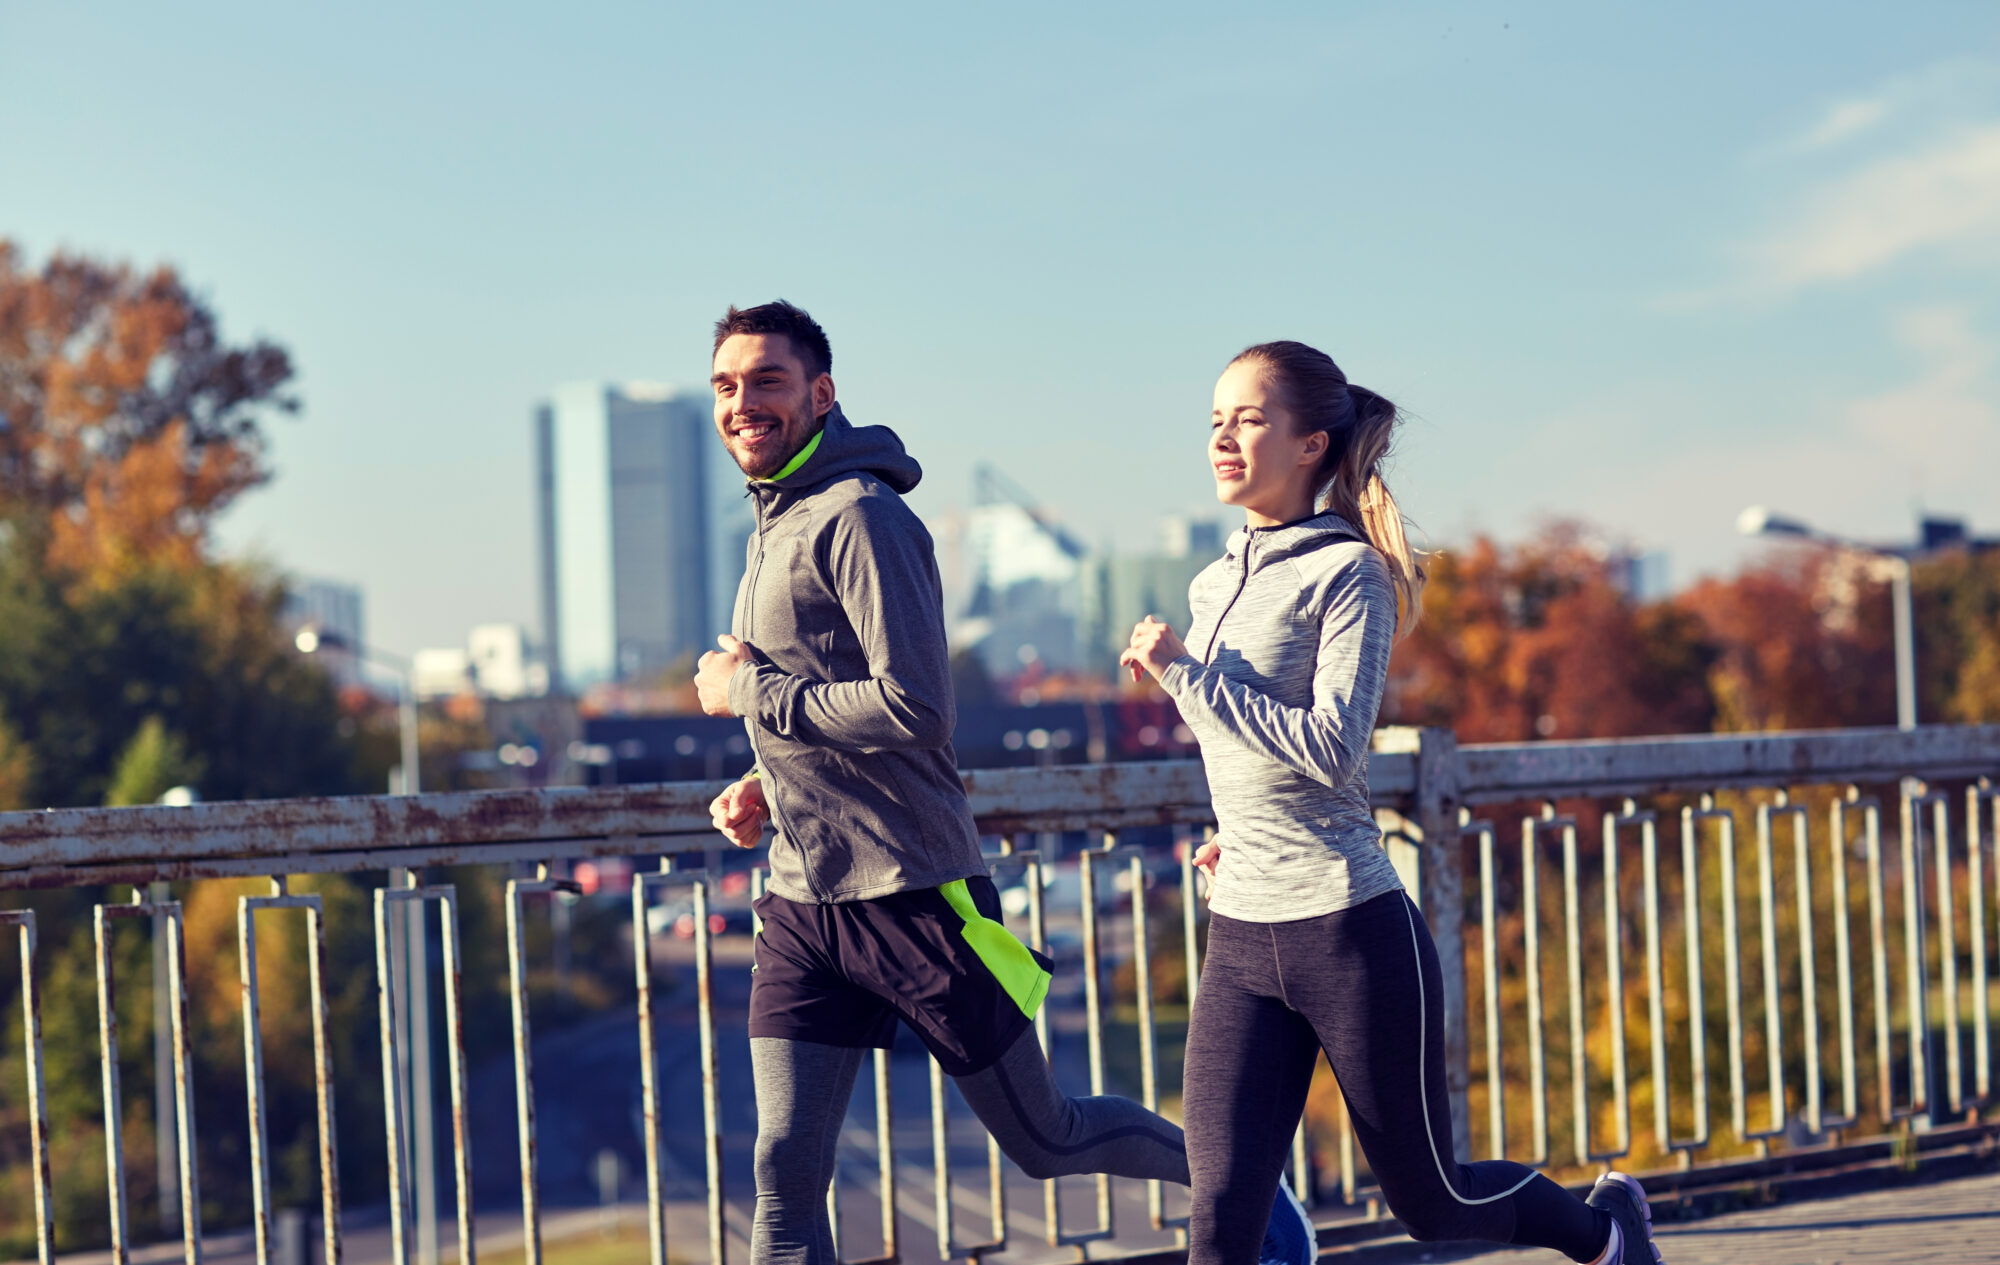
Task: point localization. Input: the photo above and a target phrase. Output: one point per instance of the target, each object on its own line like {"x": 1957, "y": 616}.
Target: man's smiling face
{"x": 767, "y": 405}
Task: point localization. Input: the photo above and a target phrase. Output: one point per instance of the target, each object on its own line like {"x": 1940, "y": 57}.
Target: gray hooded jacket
{"x": 1286, "y": 658}
{"x": 849, "y": 703}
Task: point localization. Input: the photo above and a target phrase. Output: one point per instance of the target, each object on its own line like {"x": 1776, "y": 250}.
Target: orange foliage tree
{"x": 1803, "y": 642}
{"x": 124, "y": 416}
{"x": 1540, "y": 641}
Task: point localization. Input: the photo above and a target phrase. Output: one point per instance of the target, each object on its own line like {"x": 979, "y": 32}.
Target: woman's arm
{"x": 1328, "y": 741}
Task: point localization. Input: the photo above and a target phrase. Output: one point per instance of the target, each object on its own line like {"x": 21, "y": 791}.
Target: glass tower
{"x": 622, "y": 503}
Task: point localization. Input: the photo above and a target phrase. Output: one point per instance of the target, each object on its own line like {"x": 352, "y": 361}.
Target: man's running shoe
{"x": 1625, "y": 1199}
{"x": 1289, "y": 1238}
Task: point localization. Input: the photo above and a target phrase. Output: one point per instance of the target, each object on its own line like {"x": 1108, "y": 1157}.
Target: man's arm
{"x": 880, "y": 563}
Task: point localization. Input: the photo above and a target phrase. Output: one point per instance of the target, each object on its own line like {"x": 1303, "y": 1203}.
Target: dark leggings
{"x": 1363, "y": 985}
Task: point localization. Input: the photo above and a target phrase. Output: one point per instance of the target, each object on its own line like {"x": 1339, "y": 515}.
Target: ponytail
{"x": 1360, "y": 426}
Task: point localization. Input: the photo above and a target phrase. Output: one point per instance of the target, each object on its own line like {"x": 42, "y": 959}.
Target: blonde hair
{"x": 1360, "y": 428}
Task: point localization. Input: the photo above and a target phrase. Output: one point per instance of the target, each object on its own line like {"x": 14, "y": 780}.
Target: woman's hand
{"x": 1206, "y": 858}
{"x": 1153, "y": 647}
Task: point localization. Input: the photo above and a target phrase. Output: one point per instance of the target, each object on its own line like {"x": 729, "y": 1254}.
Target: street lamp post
{"x": 313, "y": 639}
{"x": 407, "y": 955}
{"x": 1759, "y": 521}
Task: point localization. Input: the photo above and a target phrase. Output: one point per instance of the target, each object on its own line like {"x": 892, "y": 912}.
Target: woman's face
{"x": 1261, "y": 463}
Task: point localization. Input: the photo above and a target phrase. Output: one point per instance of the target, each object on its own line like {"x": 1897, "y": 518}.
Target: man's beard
{"x": 766, "y": 465}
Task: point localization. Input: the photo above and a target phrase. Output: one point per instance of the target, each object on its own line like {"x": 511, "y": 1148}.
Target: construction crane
{"x": 990, "y": 487}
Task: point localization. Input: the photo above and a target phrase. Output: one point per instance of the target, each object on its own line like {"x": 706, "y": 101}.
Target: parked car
{"x": 721, "y": 922}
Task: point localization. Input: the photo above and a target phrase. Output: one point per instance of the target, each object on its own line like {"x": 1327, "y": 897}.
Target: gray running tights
{"x": 1363, "y": 985}
{"x": 802, "y": 1094}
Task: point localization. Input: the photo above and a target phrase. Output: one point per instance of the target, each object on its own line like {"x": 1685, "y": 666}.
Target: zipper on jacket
{"x": 1242, "y": 583}
{"x": 749, "y": 621}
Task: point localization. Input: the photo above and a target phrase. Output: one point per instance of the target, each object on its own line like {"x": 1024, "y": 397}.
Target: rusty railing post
{"x": 1443, "y": 899}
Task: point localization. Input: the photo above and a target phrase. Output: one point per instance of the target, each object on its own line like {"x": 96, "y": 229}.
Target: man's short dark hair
{"x": 779, "y": 317}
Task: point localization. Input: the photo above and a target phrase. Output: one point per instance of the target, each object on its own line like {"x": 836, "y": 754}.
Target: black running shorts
{"x": 842, "y": 974}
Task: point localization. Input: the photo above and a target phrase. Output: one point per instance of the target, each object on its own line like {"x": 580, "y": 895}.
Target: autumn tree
{"x": 1540, "y": 640}
{"x": 126, "y": 420}
{"x": 1803, "y": 642}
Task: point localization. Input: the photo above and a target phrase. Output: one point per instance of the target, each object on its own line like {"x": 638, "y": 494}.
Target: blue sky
{"x": 1638, "y": 266}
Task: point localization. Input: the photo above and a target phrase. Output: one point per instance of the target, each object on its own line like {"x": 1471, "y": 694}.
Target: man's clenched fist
{"x": 717, "y": 667}
{"x": 739, "y": 812}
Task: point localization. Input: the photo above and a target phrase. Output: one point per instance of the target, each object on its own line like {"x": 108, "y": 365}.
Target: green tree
{"x": 203, "y": 650}
{"x": 17, "y": 768}
{"x": 153, "y": 763}
{"x": 1957, "y": 597}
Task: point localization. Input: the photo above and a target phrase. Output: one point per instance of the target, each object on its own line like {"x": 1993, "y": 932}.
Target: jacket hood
{"x": 1289, "y": 539}
{"x": 844, "y": 448}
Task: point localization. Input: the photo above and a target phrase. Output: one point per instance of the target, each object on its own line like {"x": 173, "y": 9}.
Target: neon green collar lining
{"x": 805, "y": 455}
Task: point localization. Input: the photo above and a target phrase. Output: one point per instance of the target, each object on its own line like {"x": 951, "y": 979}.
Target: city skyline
{"x": 1618, "y": 268}
{"x": 624, "y": 542}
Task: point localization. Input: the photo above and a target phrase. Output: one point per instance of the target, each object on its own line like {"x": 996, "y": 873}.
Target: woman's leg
{"x": 1368, "y": 979}
{"x": 1249, "y": 1064}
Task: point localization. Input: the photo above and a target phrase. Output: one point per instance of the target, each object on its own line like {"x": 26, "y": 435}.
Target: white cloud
{"x": 1907, "y": 169}
{"x": 1948, "y": 418}
{"x": 1862, "y": 470}
{"x": 1946, "y": 195}
{"x": 1845, "y": 119}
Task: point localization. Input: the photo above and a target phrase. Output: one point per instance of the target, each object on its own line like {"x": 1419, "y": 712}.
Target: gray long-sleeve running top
{"x": 849, "y": 706}
{"x": 1286, "y": 658}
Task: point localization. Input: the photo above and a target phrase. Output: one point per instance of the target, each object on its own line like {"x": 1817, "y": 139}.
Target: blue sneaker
{"x": 1289, "y": 1239}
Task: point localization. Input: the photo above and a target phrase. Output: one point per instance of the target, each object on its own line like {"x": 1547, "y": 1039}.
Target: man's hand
{"x": 1153, "y": 647}
{"x": 717, "y": 667}
{"x": 739, "y": 812}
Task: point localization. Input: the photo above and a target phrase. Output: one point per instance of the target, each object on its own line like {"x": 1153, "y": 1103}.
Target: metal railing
{"x": 1445, "y": 810}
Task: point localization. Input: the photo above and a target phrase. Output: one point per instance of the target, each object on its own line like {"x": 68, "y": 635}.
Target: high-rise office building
{"x": 623, "y": 527}
{"x": 731, "y": 522}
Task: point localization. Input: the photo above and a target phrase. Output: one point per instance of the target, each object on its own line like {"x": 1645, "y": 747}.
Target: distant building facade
{"x": 1118, "y": 592}
{"x": 623, "y": 529}
{"x": 505, "y": 662}
{"x": 498, "y": 661}
{"x": 440, "y": 672}
{"x": 1021, "y": 603}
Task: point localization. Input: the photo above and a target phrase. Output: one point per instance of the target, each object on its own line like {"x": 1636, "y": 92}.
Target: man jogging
{"x": 880, "y": 905}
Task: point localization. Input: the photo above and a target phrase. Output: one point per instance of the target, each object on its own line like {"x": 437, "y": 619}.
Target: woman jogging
{"x": 1313, "y": 944}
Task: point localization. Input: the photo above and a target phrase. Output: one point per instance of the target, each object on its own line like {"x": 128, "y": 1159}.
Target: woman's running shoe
{"x": 1289, "y": 1238}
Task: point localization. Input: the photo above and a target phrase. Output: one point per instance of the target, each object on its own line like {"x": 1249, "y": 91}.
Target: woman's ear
{"x": 1315, "y": 448}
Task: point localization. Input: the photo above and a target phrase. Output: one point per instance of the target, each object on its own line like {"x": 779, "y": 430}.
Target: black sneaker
{"x": 1625, "y": 1199}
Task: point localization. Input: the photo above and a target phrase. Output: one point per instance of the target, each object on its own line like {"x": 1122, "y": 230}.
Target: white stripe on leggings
{"x": 1423, "y": 1077}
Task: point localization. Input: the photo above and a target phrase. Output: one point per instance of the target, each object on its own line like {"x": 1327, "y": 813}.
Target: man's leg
{"x": 802, "y": 1094}
{"x": 809, "y": 1028}
{"x": 1051, "y": 1135}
